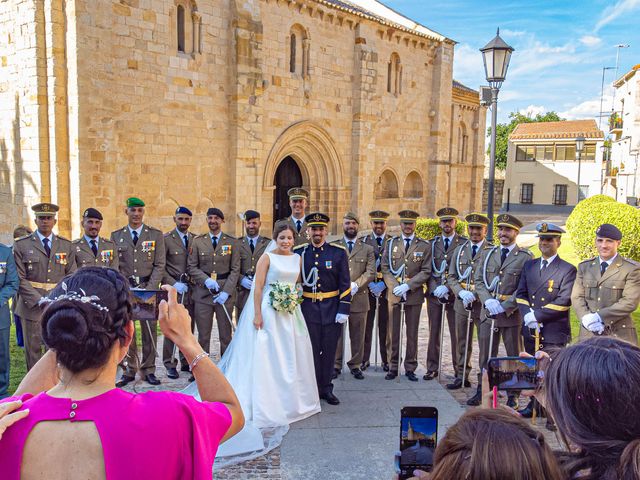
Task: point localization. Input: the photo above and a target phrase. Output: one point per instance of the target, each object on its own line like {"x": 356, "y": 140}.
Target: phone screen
{"x": 514, "y": 373}
{"x": 418, "y": 438}
{"x": 145, "y": 304}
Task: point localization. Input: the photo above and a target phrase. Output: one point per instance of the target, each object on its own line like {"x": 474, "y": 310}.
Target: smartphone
{"x": 514, "y": 373}
{"x": 146, "y": 303}
{"x": 418, "y": 438}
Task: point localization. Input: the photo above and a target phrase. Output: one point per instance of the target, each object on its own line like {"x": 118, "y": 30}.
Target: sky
{"x": 560, "y": 48}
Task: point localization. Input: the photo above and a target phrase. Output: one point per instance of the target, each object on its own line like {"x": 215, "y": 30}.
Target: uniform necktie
{"x": 135, "y": 237}
{"x": 214, "y": 242}
{"x": 379, "y": 241}
{"x": 603, "y": 267}
{"x": 94, "y": 248}
{"x": 446, "y": 244}
{"x": 185, "y": 239}
{"x": 298, "y": 225}
{"x": 544, "y": 265}
{"x": 474, "y": 250}
{"x": 251, "y": 245}
{"x": 503, "y": 255}
{"x": 350, "y": 245}
{"x": 47, "y": 248}
{"x": 407, "y": 242}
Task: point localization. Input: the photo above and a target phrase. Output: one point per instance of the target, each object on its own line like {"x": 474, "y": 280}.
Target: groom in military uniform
{"x": 327, "y": 298}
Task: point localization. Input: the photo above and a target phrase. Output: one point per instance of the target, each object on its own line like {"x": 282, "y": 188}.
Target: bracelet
{"x": 195, "y": 361}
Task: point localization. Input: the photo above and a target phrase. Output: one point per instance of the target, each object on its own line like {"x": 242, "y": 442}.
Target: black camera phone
{"x": 418, "y": 438}
{"x": 145, "y": 304}
{"x": 514, "y": 373}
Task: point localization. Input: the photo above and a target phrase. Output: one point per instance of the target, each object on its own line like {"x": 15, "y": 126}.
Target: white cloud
{"x": 589, "y": 109}
{"x": 590, "y": 40}
{"x": 612, "y": 12}
{"x": 532, "y": 110}
{"x": 506, "y": 33}
{"x": 467, "y": 65}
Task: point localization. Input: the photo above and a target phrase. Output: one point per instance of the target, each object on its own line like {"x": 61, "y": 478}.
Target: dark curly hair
{"x": 81, "y": 334}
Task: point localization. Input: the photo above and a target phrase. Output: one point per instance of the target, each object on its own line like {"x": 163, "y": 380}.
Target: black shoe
{"x": 357, "y": 374}
{"x": 385, "y": 367}
{"x": 457, "y": 384}
{"x": 430, "y": 375}
{"x": 364, "y": 366}
{"x": 151, "y": 379}
{"x": 184, "y": 368}
{"x": 551, "y": 426}
{"x": 512, "y": 402}
{"x": 172, "y": 373}
{"x": 335, "y": 374}
{"x": 476, "y": 399}
{"x": 330, "y": 398}
{"x": 411, "y": 376}
{"x": 192, "y": 378}
{"x": 124, "y": 380}
{"x": 390, "y": 376}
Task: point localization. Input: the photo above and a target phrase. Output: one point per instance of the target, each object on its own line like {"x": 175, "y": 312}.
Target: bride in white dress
{"x": 269, "y": 362}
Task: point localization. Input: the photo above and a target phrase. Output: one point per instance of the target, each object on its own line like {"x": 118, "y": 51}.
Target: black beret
{"x": 250, "y": 215}
{"x": 92, "y": 213}
{"x": 606, "y": 230}
{"x": 215, "y": 211}
{"x": 183, "y": 210}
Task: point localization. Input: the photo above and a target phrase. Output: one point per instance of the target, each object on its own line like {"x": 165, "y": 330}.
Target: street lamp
{"x": 579, "y": 148}
{"x": 495, "y": 55}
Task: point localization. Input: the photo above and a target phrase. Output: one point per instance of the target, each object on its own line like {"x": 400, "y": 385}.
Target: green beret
{"x": 134, "y": 202}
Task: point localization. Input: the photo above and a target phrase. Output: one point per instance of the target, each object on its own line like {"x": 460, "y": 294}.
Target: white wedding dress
{"x": 271, "y": 370}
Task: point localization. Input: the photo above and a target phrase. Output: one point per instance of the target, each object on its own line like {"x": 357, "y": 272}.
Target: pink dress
{"x": 164, "y": 435}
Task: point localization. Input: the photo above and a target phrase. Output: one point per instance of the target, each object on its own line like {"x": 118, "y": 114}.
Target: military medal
{"x": 226, "y": 250}
{"x": 148, "y": 246}
{"x": 417, "y": 256}
{"x": 106, "y": 256}
{"x": 328, "y": 264}
{"x": 61, "y": 258}
{"x": 3, "y": 267}
{"x": 550, "y": 289}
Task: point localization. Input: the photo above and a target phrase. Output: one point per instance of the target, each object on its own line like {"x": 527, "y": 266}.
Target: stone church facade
{"x": 228, "y": 103}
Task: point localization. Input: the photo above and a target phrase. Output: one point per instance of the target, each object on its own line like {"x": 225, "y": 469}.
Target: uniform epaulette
{"x": 202, "y": 235}
{"x": 149, "y": 227}
{"x": 338, "y": 245}
{"x": 79, "y": 240}
{"x": 105, "y": 239}
{"x": 24, "y": 237}
{"x": 588, "y": 260}
{"x": 302, "y": 245}
{"x": 527, "y": 251}
{"x": 226, "y": 235}
{"x": 63, "y": 238}
{"x": 168, "y": 234}
{"x": 630, "y": 260}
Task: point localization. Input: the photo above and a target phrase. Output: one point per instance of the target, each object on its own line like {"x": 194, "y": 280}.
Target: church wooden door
{"x": 288, "y": 175}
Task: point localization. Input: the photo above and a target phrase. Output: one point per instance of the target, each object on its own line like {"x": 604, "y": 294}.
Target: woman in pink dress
{"x": 80, "y": 426}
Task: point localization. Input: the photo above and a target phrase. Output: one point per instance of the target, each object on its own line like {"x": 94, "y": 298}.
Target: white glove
{"x": 593, "y": 323}
{"x": 530, "y": 320}
{"x": 467, "y": 297}
{"x": 401, "y": 290}
{"x": 181, "y": 287}
{"x": 211, "y": 284}
{"x": 246, "y": 282}
{"x": 441, "y": 291}
{"x": 221, "y": 298}
{"x": 493, "y": 306}
{"x": 354, "y": 288}
{"x": 341, "y": 318}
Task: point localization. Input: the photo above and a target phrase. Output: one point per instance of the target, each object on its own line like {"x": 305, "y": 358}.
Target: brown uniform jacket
{"x": 38, "y": 273}
{"x": 460, "y": 261}
{"x": 176, "y": 257}
{"x": 224, "y": 263}
{"x": 417, "y": 261}
{"x": 438, "y": 255}
{"x": 614, "y": 296}
{"x": 107, "y": 253}
{"x": 300, "y": 238}
{"x": 249, "y": 259}
{"x": 509, "y": 277}
{"x": 362, "y": 270}
{"x": 144, "y": 261}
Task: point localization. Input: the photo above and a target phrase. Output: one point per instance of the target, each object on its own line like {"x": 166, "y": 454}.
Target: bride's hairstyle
{"x": 85, "y": 315}
{"x": 281, "y": 228}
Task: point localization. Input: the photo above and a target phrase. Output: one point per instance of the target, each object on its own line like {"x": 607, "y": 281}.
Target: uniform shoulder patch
{"x": 338, "y": 245}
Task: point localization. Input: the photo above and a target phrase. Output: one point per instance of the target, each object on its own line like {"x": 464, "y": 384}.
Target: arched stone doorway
{"x": 288, "y": 175}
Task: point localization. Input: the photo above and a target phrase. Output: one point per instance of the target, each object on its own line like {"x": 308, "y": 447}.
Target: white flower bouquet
{"x": 285, "y": 297}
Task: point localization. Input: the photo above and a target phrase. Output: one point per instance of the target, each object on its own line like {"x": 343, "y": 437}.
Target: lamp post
{"x": 579, "y": 148}
{"x": 495, "y": 55}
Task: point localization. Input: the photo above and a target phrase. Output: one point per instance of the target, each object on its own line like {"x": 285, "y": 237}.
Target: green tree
{"x": 503, "y": 130}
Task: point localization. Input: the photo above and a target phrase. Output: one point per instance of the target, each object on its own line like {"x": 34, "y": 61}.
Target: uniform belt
{"x": 221, "y": 276}
{"x": 502, "y": 297}
{"x": 379, "y": 275}
{"x": 470, "y": 287}
{"x": 42, "y": 285}
{"x": 134, "y": 280}
{"x": 319, "y": 296}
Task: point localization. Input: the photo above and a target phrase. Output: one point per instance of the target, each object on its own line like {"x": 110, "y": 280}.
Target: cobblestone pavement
{"x": 269, "y": 466}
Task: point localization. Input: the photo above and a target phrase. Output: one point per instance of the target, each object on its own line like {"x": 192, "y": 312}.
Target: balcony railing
{"x": 615, "y": 122}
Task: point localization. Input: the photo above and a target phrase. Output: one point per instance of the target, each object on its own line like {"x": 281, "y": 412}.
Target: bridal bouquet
{"x": 285, "y": 297}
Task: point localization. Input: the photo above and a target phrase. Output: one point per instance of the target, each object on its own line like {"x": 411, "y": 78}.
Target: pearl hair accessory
{"x": 81, "y": 297}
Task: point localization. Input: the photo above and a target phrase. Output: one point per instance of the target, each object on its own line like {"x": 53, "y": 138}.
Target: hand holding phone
{"x": 418, "y": 439}
{"x": 145, "y": 304}
{"x": 514, "y": 373}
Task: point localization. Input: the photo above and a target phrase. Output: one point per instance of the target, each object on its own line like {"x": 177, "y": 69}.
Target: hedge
{"x": 428, "y": 228}
{"x": 594, "y": 211}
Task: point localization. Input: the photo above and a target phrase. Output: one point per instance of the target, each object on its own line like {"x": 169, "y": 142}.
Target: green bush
{"x": 586, "y": 217}
{"x": 428, "y": 228}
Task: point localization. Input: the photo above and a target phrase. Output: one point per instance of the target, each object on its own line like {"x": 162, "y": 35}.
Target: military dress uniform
{"x": 466, "y": 257}
{"x": 143, "y": 264}
{"x": 507, "y": 324}
{"x": 9, "y": 283}
{"x": 378, "y": 245}
{"x": 416, "y": 264}
{"x": 177, "y": 254}
{"x": 221, "y": 264}
{"x": 545, "y": 289}
{"x": 248, "y": 261}
{"x": 613, "y": 294}
{"x": 442, "y": 249}
{"x": 39, "y": 272}
{"x": 362, "y": 270}
{"x": 324, "y": 300}
{"x": 106, "y": 253}
{"x": 299, "y": 224}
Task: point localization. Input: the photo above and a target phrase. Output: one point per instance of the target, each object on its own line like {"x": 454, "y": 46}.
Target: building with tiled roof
{"x": 544, "y": 169}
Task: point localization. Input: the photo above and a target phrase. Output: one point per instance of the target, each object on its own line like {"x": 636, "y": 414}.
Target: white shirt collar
{"x": 376, "y": 237}
{"x": 255, "y": 239}
{"x": 479, "y": 244}
{"x": 510, "y": 247}
{"x": 404, "y": 239}
{"x": 347, "y": 240}
{"x": 88, "y": 239}
{"x": 137, "y": 230}
{"x": 41, "y": 237}
{"x": 297, "y": 219}
{"x": 450, "y": 238}
{"x": 609, "y": 262}
{"x": 217, "y": 237}
{"x": 181, "y": 235}
{"x": 549, "y": 260}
